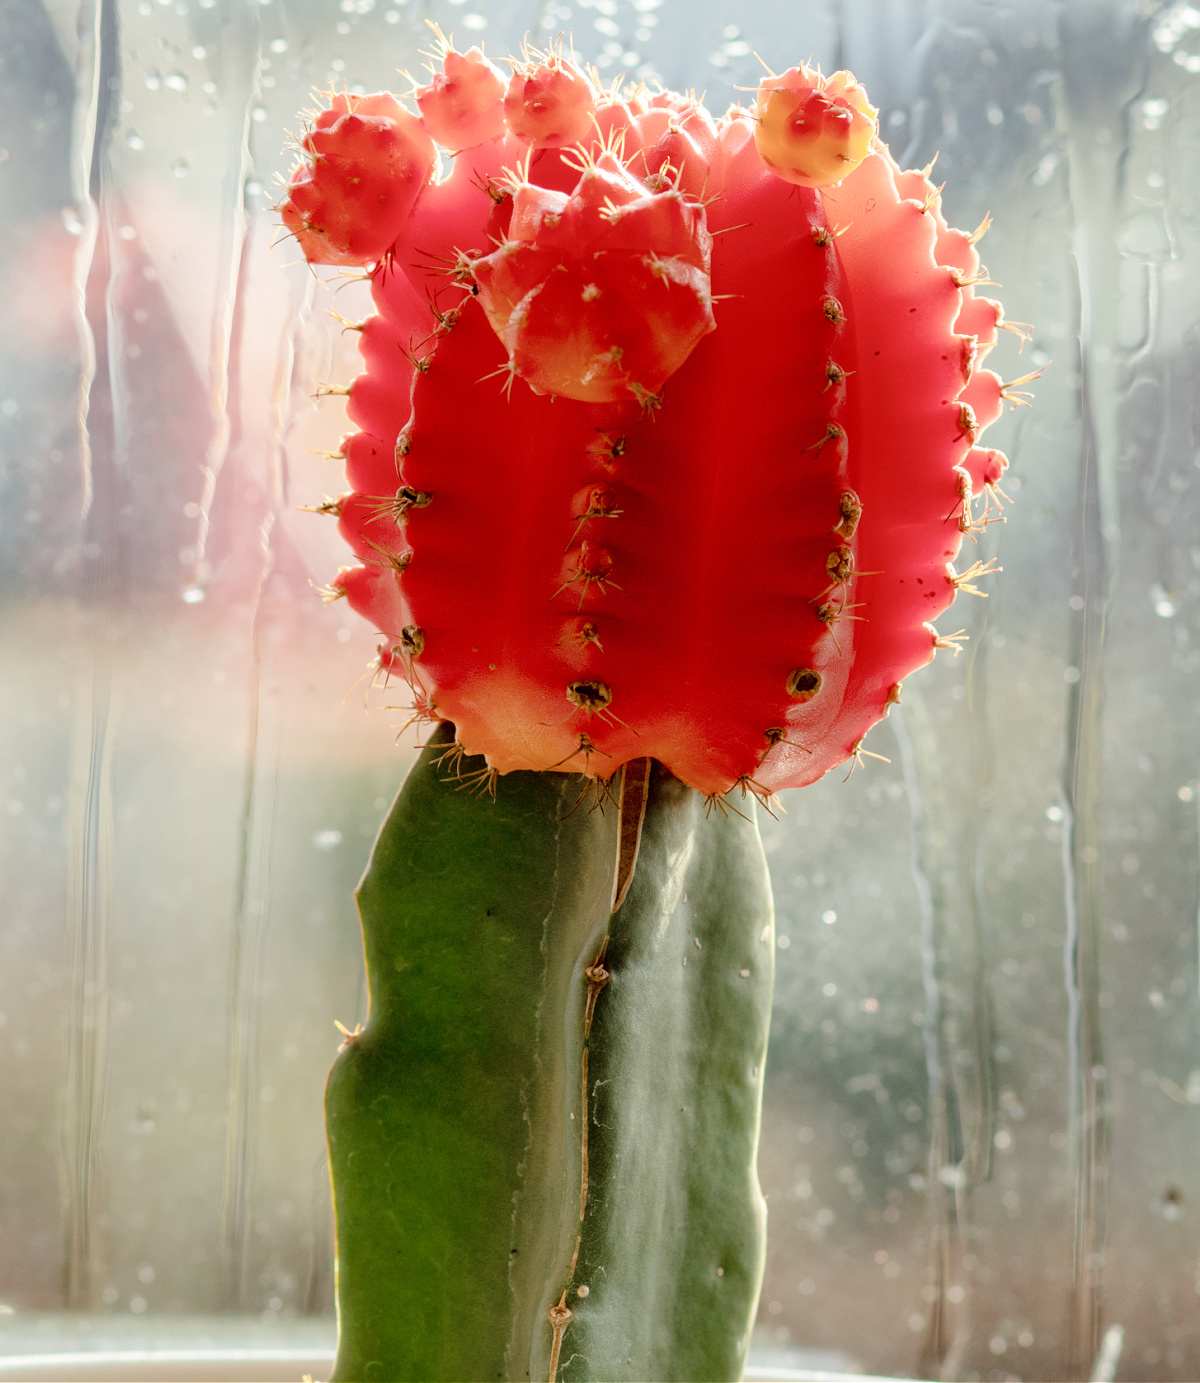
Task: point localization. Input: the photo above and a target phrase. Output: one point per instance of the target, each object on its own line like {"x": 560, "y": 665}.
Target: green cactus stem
{"x": 543, "y": 1142}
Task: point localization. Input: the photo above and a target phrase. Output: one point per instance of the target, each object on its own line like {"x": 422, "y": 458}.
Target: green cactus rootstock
{"x": 543, "y": 1142}
{"x": 667, "y": 441}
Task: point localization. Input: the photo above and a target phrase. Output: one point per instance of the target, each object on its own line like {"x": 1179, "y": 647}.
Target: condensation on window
{"x": 982, "y": 1130}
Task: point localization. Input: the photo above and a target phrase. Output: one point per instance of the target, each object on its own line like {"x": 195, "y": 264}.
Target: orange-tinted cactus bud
{"x": 813, "y": 130}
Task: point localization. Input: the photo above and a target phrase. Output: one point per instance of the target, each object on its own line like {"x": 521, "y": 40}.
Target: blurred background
{"x": 982, "y": 1136}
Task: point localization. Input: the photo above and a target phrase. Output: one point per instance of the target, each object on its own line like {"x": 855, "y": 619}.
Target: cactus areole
{"x": 667, "y": 440}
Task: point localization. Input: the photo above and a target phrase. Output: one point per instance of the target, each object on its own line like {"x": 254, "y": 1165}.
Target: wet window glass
{"x": 983, "y": 1110}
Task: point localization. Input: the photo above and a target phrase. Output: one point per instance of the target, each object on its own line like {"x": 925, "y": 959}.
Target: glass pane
{"x": 981, "y": 1137}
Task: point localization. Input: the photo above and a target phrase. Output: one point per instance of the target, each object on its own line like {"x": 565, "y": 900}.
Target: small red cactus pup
{"x": 549, "y": 103}
{"x": 366, "y": 160}
{"x": 460, "y": 107}
{"x": 668, "y": 430}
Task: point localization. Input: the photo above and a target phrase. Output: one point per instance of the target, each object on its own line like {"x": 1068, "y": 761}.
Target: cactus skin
{"x": 454, "y": 1118}
{"x": 723, "y": 549}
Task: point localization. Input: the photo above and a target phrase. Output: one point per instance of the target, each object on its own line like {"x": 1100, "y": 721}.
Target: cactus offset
{"x": 668, "y": 439}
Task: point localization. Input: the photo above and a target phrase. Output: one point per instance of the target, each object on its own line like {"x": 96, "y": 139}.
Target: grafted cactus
{"x": 668, "y": 439}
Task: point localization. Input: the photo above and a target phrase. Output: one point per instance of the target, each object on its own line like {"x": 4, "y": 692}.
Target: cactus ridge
{"x": 669, "y": 427}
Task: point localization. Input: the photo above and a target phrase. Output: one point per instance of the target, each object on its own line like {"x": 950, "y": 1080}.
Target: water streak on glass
{"x": 943, "y": 1136}
{"x": 982, "y": 771}
{"x": 230, "y": 299}
{"x": 981, "y": 1118}
{"x": 89, "y": 840}
{"x": 253, "y": 876}
{"x": 1092, "y": 189}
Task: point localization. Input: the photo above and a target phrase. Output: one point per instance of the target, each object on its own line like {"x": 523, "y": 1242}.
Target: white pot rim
{"x": 250, "y": 1366}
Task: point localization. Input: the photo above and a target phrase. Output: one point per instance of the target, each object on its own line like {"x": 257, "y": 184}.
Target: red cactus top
{"x": 668, "y": 428}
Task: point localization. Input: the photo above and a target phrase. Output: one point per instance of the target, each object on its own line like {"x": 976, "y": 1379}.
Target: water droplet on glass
{"x": 1171, "y": 1205}
{"x": 144, "y": 1121}
{"x": 71, "y": 221}
{"x": 1164, "y": 606}
{"x": 181, "y": 168}
{"x": 328, "y": 839}
{"x": 153, "y": 79}
{"x": 192, "y": 595}
{"x": 135, "y": 141}
{"x": 1153, "y": 112}
{"x": 1045, "y": 170}
{"x": 175, "y": 81}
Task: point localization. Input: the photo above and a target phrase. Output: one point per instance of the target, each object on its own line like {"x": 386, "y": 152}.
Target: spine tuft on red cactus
{"x": 672, "y": 452}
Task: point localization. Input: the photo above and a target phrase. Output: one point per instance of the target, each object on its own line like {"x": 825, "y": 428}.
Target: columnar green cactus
{"x": 542, "y": 1145}
{"x": 668, "y": 440}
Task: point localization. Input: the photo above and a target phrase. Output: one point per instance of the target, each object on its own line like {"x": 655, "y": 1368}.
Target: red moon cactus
{"x": 668, "y": 440}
